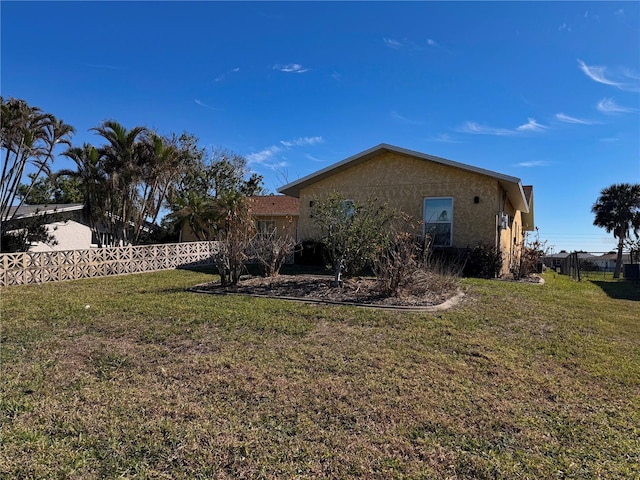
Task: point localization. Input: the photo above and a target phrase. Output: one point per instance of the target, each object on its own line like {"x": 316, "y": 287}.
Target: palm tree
{"x": 27, "y": 136}
{"x": 58, "y": 133}
{"x": 195, "y": 210}
{"x": 121, "y": 157}
{"x": 160, "y": 166}
{"x": 93, "y": 181}
{"x": 617, "y": 210}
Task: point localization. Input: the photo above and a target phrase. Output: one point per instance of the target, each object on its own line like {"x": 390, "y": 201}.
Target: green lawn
{"x": 133, "y": 377}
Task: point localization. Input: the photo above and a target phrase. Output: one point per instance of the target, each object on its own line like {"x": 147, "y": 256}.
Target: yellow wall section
{"x": 403, "y": 182}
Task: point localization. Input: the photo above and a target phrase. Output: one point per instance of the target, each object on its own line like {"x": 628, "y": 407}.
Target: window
{"x": 347, "y": 209}
{"x": 266, "y": 228}
{"x": 438, "y": 220}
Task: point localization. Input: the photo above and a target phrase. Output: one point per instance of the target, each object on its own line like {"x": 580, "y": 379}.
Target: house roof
{"x": 275, "y": 205}
{"x": 512, "y": 185}
{"x": 26, "y": 211}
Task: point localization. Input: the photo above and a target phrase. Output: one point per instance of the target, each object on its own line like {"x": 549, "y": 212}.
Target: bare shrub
{"x": 408, "y": 266}
{"x": 271, "y": 251}
{"x": 234, "y": 237}
{"x": 531, "y": 251}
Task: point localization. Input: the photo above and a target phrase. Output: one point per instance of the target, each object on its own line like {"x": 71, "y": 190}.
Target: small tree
{"x": 617, "y": 210}
{"x": 235, "y": 232}
{"x": 353, "y": 233}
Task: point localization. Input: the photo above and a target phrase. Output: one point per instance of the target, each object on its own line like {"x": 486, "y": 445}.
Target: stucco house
{"x": 276, "y": 214}
{"x": 64, "y": 222}
{"x": 460, "y": 205}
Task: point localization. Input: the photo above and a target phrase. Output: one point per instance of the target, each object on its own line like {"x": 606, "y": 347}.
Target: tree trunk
{"x": 616, "y": 274}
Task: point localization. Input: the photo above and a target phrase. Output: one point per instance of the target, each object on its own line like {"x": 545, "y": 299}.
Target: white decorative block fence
{"x": 39, "y": 267}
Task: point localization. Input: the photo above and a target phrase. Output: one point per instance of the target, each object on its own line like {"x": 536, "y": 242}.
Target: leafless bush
{"x": 271, "y": 251}
{"x": 396, "y": 263}
{"x": 530, "y": 253}
{"x": 408, "y": 265}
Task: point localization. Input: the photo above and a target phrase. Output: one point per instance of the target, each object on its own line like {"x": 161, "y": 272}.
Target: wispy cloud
{"x": 475, "y": 128}
{"x": 564, "y": 26}
{"x": 291, "y": 68}
{"x": 596, "y": 73}
{"x": 302, "y": 141}
{"x": 223, "y": 76}
{"x": 393, "y": 43}
{"x": 406, "y": 43}
{"x": 202, "y": 104}
{"x": 478, "y": 129}
{"x": 402, "y": 119}
{"x": 263, "y": 156}
{"x": 608, "y": 105}
{"x": 443, "y": 138}
{"x": 567, "y": 119}
{"x": 534, "y": 163}
{"x": 624, "y": 79}
{"x": 313, "y": 159}
{"x": 267, "y": 156}
{"x": 531, "y": 126}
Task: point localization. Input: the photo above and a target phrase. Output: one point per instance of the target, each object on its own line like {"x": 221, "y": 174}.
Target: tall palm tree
{"x": 58, "y": 133}
{"x": 93, "y": 181}
{"x": 617, "y": 210}
{"x": 160, "y": 165}
{"x": 27, "y": 136}
{"x": 121, "y": 157}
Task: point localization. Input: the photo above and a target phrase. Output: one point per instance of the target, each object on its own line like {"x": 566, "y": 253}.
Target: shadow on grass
{"x": 622, "y": 290}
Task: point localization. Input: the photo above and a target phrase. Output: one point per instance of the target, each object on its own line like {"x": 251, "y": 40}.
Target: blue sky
{"x": 548, "y": 92}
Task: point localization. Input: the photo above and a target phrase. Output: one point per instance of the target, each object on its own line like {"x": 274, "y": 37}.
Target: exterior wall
{"x": 288, "y": 224}
{"x": 402, "y": 182}
{"x": 284, "y": 224}
{"x": 69, "y": 234}
{"x": 511, "y": 239}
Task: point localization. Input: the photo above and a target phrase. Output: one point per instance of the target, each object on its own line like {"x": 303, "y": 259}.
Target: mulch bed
{"x": 320, "y": 288}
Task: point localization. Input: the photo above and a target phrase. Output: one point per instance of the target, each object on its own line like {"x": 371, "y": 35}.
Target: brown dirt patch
{"x": 319, "y": 288}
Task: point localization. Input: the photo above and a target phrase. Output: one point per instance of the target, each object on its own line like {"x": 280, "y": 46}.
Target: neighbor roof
{"x": 275, "y": 205}
{"x": 512, "y": 185}
{"x": 25, "y": 211}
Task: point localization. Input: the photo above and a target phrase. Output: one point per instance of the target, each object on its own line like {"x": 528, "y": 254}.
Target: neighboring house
{"x": 607, "y": 262}
{"x": 272, "y": 214}
{"x": 556, "y": 261}
{"x": 65, "y": 222}
{"x": 276, "y": 214}
{"x": 563, "y": 263}
{"x": 460, "y": 205}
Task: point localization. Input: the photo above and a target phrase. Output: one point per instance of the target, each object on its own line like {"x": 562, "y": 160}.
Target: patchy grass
{"x": 134, "y": 377}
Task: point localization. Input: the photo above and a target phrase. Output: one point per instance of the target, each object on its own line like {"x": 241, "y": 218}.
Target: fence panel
{"x": 40, "y": 267}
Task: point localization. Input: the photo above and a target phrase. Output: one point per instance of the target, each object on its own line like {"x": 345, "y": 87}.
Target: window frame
{"x": 267, "y": 232}
{"x": 438, "y": 222}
